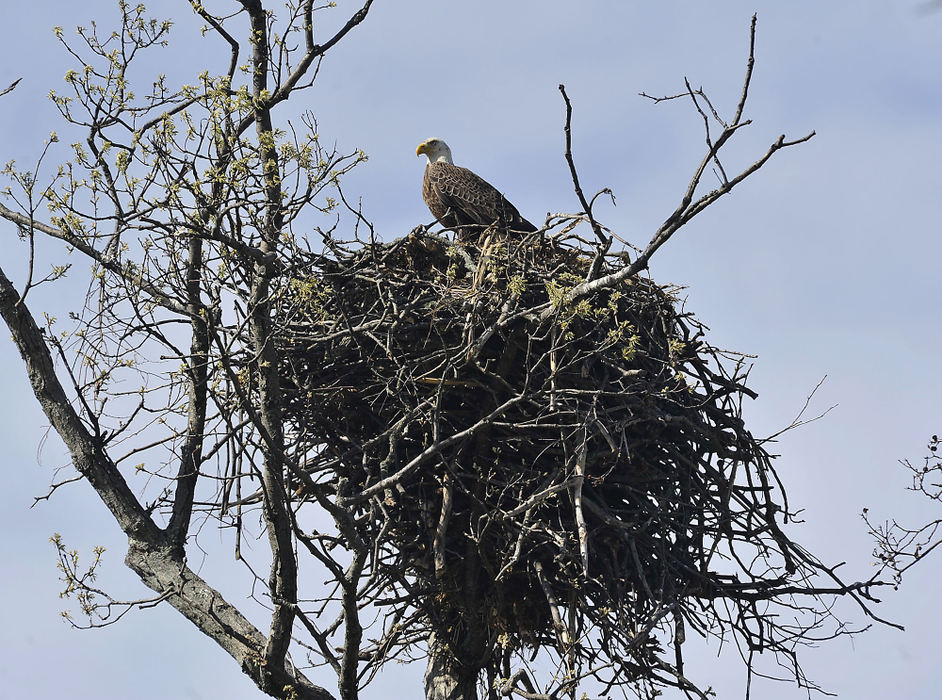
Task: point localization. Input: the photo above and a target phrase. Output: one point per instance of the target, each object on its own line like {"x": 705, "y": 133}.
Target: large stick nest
{"x": 540, "y": 468}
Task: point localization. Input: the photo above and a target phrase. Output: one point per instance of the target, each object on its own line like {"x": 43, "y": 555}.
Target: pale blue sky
{"x": 825, "y": 262}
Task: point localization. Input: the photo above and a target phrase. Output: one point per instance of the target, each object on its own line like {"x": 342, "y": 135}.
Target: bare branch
{"x": 10, "y": 87}
{"x": 97, "y": 256}
{"x": 586, "y": 206}
{"x": 88, "y": 457}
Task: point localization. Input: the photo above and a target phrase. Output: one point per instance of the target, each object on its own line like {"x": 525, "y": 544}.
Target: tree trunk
{"x": 446, "y": 678}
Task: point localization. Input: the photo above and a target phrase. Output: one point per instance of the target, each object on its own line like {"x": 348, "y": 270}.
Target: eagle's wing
{"x": 470, "y": 199}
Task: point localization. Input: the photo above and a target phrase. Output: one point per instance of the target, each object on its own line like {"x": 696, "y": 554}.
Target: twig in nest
{"x": 439, "y": 541}
{"x": 577, "y": 502}
{"x": 553, "y": 605}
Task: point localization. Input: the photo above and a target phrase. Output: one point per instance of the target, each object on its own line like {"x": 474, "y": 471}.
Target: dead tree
{"x": 524, "y": 448}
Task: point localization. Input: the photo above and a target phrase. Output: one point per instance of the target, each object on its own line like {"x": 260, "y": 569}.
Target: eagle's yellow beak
{"x": 421, "y": 148}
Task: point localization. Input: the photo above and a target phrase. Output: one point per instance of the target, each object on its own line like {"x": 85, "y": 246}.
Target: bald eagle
{"x": 461, "y": 200}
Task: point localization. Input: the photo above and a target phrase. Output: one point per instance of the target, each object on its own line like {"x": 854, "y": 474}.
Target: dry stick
{"x": 586, "y": 207}
{"x": 432, "y": 449}
{"x": 680, "y": 636}
{"x": 553, "y": 605}
{"x": 10, "y": 87}
{"x": 321, "y": 639}
{"x": 541, "y": 496}
{"x": 750, "y": 64}
{"x": 518, "y": 547}
{"x": 689, "y": 208}
{"x": 509, "y": 686}
{"x": 553, "y": 368}
{"x": 706, "y": 125}
{"x": 438, "y": 543}
{"x": 683, "y": 214}
{"x": 577, "y": 501}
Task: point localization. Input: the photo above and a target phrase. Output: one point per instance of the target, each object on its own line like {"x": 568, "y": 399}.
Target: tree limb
{"x": 88, "y": 456}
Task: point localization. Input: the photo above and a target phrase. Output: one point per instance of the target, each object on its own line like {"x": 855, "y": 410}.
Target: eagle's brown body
{"x": 462, "y": 201}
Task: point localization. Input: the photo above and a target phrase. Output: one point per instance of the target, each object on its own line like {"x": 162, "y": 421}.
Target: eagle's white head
{"x": 435, "y": 150}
